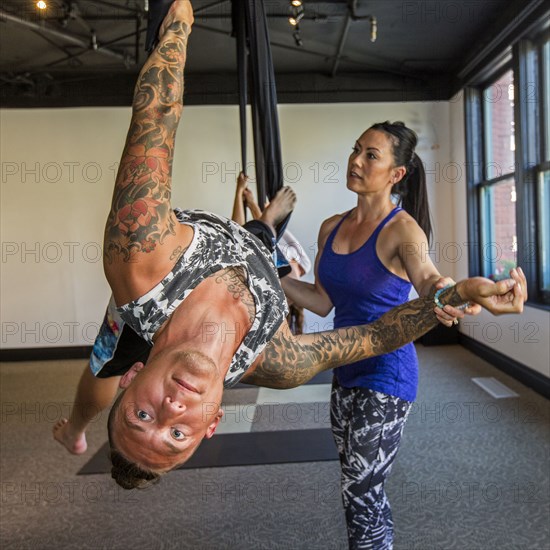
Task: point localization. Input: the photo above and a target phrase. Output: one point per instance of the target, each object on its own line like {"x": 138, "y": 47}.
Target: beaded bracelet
{"x": 439, "y": 304}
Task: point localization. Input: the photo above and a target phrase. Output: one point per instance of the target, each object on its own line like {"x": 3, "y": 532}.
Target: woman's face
{"x": 371, "y": 164}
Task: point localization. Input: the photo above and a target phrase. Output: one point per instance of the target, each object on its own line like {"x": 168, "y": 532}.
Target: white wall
{"x": 58, "y": 169}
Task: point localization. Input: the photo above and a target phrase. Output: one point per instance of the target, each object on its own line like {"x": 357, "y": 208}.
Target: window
{"x": 497, "y": 190}
{"x": 508, "y": 153}
{"x": 543, "y": 171}
{"x": 545, "y": 70}
{"x": 544, "y": 229}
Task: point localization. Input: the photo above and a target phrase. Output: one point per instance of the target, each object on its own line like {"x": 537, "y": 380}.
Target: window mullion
{"x": 526, "y": 134}
{"x": 474, "y": 174}
{"x": 495, "y": 181}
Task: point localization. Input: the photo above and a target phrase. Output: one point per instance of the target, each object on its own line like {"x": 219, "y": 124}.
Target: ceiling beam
{"x": 341, "y": 44}
{"x": 62, "y": 35}
{"x": 397, "y": 71}
{"x": 516, "y": 19}
{"x": 83, "y": 51}
{"x": 114, "y": 5}
{"x": 221, "y": 89}
{"x": 207, "y": 7}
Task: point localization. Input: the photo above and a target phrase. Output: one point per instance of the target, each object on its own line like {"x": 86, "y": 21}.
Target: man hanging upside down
{"x": 204, "y": 293}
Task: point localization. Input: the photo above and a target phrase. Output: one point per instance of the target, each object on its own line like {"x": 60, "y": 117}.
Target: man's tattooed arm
{"x": 141, "y": 216}
{"x": 289, "y": 361}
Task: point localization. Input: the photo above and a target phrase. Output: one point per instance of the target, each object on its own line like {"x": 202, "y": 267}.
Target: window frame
{"x": 543, "y": 160}
{"x": 527, "y": 63}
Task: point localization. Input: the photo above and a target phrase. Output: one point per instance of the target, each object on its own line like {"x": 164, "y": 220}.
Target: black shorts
{"x": 117, "y": 347}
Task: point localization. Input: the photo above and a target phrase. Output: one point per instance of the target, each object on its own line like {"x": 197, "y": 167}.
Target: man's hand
{"x": 449, "y": 315}
{"x": 500, "y": 297}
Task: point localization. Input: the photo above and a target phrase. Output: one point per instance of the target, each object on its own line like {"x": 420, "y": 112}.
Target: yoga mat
{"x": 246, "y": 449}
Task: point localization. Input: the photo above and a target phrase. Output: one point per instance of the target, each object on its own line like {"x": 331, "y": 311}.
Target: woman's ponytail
{"x": 412, "y": 188}
{"x": 414, "y": 195}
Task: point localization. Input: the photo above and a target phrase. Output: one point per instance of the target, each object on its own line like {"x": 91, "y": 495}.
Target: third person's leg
{"x": 93, "y": 395}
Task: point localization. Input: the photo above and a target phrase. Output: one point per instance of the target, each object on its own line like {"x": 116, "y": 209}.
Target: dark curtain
{"x": 257, "y": 78}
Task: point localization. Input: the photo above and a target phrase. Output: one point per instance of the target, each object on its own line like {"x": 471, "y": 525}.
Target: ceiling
{"x": 85, "y": 52}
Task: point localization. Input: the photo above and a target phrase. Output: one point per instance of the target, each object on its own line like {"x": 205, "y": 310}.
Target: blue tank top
{"x": 362, "y": 289}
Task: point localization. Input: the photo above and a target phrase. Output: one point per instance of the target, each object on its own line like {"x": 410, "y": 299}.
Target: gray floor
{"x": 472, "y": 473}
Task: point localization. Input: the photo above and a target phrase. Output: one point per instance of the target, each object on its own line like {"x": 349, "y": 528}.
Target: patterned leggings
{"x": 367, "y": 427}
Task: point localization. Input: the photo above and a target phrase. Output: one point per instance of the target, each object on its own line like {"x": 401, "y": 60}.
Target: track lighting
{"x": 373, "y": 29}
{"x": 294, "y": 20}
{"x": 297, "y": 12}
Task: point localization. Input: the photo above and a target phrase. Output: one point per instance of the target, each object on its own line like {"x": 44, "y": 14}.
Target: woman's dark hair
{"x": 412, "y": 187}
{"x": 127, "y": 474}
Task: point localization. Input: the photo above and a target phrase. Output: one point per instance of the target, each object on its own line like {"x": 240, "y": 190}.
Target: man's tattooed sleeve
{"x": 141, "y": 216}
{"x": 290, "y": 361}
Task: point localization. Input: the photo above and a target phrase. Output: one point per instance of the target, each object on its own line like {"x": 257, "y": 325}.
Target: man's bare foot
{"x": 281, "y": 205}
{"x": 75, "y": 443}
{"x": 180, "y": 10}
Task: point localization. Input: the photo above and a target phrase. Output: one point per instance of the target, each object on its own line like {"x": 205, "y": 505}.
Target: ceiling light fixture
{"x": 373, "y": 29}
{"x": 354, "y": 16}
{"x": 41, "y": 5}
{"x": 296, "y": 15}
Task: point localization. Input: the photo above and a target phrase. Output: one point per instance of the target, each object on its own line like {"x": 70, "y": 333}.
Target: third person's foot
{"x": 74, "y": 442}
{"x": 280, "y": 207}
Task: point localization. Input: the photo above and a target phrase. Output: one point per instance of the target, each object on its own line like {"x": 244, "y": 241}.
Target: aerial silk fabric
{"x": 255, "y": 63}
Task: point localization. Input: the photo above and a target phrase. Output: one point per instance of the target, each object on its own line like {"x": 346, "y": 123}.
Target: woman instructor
{"x": 368, "y": 260}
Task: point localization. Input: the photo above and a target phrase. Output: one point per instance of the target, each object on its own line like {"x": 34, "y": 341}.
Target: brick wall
{"x": 499, "y": 98}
